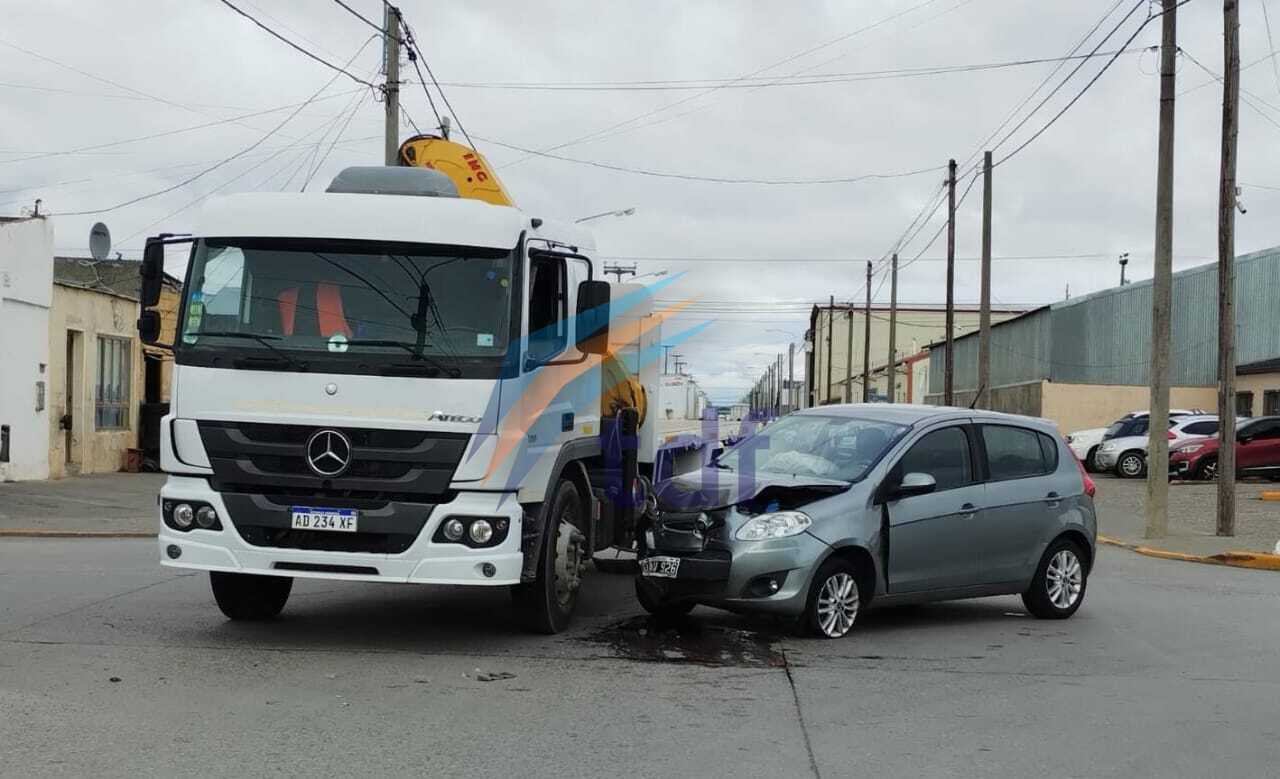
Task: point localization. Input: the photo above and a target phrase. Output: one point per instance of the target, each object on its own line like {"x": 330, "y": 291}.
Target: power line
{"x": 1271, "y": 44}
{"x": 337, "y": 137}
{"x": 413, "y": 60}
{"x": 226, "y": 160}
{"x": 1246, "y": 97}
{"x": 413, "y": 44}
{"x": 299, "y": 49}
{"x": 363, "y": 18}
{"x": 710, "y": 179}
{"x": 763, "y": 83}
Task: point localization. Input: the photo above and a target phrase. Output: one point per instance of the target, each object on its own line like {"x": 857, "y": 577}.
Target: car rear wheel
{"x": 835, "y": 598}
{"x": 1060, "y": 581}
{"x": 1131, "y": 465}
{"x": 1208, "y": 469}
{"x": 250, "y": 597}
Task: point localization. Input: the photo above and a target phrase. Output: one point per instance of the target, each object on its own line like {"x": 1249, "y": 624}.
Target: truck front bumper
{"x": 424, "y": 562}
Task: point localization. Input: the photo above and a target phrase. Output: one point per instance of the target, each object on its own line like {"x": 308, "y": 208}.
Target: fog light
{"x": 206, "y": 517}
{"x": 772, "y": 585}
{"x": 183, "y": 515}
{"x": 453, "y": 530}
{"x": 488, "y": 569}
{"x": 481, "y": 531}
{"x": 173, "y": 551}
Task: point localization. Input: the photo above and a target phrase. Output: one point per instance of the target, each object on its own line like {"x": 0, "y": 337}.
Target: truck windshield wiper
{"x": 422, "y": 363}
{"x": 261, "y": 338}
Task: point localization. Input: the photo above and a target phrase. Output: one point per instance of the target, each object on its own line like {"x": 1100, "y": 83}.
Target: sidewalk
{"x": 1192, "y": 520}
{"x": 115, "y": 503}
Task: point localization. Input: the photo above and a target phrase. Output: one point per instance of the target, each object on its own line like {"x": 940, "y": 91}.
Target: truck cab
{"x": 383, "y": 382}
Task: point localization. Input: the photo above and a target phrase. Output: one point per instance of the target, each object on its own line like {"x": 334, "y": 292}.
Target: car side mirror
{"x": 149, "y": 326}
{"x": 152, "y": 272}
{"x": 592, "y": 331}
{"x": 913, "y": 484}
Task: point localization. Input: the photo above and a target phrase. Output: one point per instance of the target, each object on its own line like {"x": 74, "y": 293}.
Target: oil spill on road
{"x": 646, "y": 639}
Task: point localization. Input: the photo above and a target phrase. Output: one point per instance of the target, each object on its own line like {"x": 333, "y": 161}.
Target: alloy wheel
{"x": 1131, "y": 465}
{"x": 837, "y": 605}
{"x": 1064, "y": 579}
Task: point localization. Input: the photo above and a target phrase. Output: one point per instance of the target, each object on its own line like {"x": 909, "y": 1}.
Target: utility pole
{"x": 1162, "y": 288}
{"x": 791, "y": 376}
{"x": 848, "y": 356}
{"x": 984, "y": 315}
{"x": 391, "y": 89}
{"x": 893, "y": 330}
{"x": 1226, "y": 272}
{"x": 666, "y": 354}
{"x": 831, "y": 326}
{"x": 618, "y": 269}
{"x": 949, "y": 364}
{"x": 866, "y": 342}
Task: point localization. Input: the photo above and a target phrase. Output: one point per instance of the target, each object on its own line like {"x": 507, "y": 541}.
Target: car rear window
{"x": 1016, "y": 452}
{"x": 1208, "y": 427}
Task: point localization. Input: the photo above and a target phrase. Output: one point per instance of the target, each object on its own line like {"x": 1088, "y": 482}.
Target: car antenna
{"x": 977, "y": 395}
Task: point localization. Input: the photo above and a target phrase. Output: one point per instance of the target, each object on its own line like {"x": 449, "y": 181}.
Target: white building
{"x": 26, "y": 290}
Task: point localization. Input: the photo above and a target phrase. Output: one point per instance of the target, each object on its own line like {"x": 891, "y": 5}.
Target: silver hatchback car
{"x": 830, "y": 510}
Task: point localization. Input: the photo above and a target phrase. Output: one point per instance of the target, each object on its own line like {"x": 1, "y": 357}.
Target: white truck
{"x": 387, "y": 382}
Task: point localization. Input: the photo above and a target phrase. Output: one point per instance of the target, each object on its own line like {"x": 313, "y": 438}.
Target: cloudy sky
{"x": 800, "y": 91}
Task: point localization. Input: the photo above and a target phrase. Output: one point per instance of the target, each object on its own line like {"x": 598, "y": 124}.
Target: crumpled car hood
{"x": 713, "y": 488}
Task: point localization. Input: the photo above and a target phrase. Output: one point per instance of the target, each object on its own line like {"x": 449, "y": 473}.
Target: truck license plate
{"x": 311, "y": 518}
{"x": 660, "y": 567}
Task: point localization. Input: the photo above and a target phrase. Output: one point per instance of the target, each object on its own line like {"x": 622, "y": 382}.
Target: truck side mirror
{"x": 593, "y": 317}
{"x": 152, "y": 272}
{"x": 149, "y": 326}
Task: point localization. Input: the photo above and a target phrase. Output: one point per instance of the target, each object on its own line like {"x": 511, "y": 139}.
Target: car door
{"x": 931, "y": 540}
{"x": 1023, "y": 500}
{"x": 1262, "y": 449}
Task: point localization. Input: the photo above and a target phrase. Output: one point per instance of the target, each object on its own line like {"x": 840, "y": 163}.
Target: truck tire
{"x": 250, "y": 597}
{"x": 545, "y": 605}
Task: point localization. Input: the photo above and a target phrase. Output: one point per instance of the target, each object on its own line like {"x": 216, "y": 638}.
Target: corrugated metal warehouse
{"x": 1083, "y": 362}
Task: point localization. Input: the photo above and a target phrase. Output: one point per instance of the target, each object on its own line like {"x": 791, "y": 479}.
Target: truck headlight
{"x": 481, "y": 531}
{"x": 183, "y": 515}
{"x": 779, "y": 524}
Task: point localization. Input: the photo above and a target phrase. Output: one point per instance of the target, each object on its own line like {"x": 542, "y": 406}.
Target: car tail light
{"x": 1171, "y": 435}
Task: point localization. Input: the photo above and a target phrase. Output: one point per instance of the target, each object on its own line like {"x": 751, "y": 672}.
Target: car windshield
{"x": 1114, "y": 430}
{"x": 348, "y": 300}
{"x": 830, "y": 447}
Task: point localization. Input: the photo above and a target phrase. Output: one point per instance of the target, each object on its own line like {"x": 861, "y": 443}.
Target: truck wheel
{"x": 656, "y": 605}
{"x": 250, "y": 597}
{"x": 545, "y": 604}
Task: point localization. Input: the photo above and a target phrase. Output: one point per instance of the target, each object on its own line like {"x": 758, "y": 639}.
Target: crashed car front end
{"x": 750, "y": 547}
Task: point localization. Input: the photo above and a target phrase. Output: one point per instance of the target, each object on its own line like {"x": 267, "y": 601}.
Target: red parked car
{"x": 1257, "y": 452}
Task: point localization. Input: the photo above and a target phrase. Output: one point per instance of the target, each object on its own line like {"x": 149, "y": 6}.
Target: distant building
{"x": 837, "y": 381}
{"x": 26, "y": 249}
{"x": 1086, "y": 361}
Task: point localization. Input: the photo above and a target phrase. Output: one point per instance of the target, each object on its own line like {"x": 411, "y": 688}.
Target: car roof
{"x": 913, "y": 414}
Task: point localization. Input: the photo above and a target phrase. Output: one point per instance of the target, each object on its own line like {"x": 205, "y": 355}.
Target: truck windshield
{"x": 348, "y": 306}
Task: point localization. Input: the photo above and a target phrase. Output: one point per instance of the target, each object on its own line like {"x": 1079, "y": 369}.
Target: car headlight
{"x": 779, "y": 524}
{"x": 1107, "y": 447}
{"x": 1192, "y": 449}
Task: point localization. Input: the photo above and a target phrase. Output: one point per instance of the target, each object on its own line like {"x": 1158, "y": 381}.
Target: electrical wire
{"x": 334, "y": 142}
{"x": 300, "y": 49}
{"x": 367, "y": 20}
{"x": 1271, "y": 44}
{"x": 413, "y": 60}
{"x": 411, "y": 38}
{"x": 710, "y": 179}
{"x": 224, "y": 161}
{"x": 1246, "y": 97}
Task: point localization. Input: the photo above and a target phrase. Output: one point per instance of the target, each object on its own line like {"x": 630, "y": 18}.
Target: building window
{"x": 1271, "y": 402}
{"x": 1244, "y": 404}
{"x": 111, "y": 389}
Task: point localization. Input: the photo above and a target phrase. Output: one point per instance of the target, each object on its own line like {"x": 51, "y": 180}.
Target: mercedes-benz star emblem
{"x": 328, "y": 453}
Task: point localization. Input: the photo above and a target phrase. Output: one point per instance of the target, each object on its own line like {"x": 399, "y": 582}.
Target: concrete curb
{"x": 1258, "y": 561}
{"x": 33, "y": 533}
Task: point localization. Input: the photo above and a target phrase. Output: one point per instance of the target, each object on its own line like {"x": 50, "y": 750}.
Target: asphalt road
{"x": 111, "y": 666}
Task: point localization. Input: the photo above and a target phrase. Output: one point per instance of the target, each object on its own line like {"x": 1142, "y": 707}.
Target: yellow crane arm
{"x": 466, "y": 167}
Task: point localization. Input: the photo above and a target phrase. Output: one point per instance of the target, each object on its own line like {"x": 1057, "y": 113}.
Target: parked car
{"x": 1257, "y": 452}
{"x": 1084, "y": 445}
{"x": 1127, "y": 455}
{"x": 834, "y": 509}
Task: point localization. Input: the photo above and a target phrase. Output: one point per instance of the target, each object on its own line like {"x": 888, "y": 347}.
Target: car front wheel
{"x": 1059, "y": 583}
{"x": 1208, "y": 469}
{"x": 1091, "y": 460}
{"x": 835, "y": 598}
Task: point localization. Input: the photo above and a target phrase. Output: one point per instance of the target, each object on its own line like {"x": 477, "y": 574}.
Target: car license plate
{"x": 311, "y": 518}
{"x": 660, "y": 567}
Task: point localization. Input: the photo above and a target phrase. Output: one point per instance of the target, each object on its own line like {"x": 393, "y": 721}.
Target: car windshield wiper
{"x": 261, "y": 338}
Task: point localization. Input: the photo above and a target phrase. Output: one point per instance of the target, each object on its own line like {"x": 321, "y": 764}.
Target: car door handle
{"x": 968, "y": 511}
{"x": 1053, "y": 499}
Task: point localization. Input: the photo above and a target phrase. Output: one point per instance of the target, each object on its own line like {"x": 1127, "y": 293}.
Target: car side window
{"x": 1265, "y": 430}
{"x": 1201, "y": 428}
{"x": 1013, "y": 452}
{"x": 944, "y": 455}
{"x": 1049, "y": 450}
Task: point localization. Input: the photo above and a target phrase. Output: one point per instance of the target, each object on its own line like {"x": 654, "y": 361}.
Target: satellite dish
{"x": 99, "y": 241}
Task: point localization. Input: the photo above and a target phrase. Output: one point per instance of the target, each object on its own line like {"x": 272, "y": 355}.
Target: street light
{"x": 620, "y": 212}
